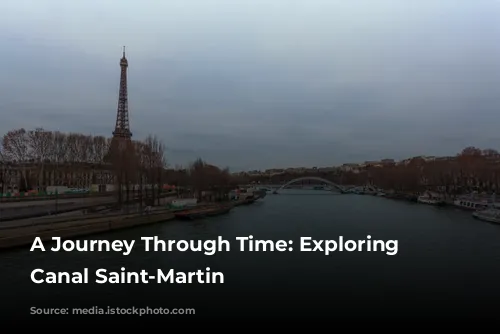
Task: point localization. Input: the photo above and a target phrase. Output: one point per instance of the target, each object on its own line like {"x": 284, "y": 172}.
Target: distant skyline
{"x": 260, "y": 84}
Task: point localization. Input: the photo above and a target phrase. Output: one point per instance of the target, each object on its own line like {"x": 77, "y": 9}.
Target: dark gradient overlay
{"x": 447, "y": 264}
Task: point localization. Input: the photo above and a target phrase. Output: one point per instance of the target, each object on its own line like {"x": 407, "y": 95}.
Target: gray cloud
{"x": 260, "y": 84}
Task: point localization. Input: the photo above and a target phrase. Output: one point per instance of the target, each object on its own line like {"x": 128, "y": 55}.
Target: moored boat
{"x": 491, "y": 215}
{"x": 256, "y": 193}
{"x": 240, "y": 194}
{"x": 474, "y": 201}
{"x": 470, "y": 204}
{"x": 431, "y": 199}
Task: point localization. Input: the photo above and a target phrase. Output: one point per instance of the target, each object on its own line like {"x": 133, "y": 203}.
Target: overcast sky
{"x": 256, "y": 84}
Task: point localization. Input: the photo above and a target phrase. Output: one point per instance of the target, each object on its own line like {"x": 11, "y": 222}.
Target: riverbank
{"x": 22, "y": 232}
{"x": 468, "y": 203}
{"x": 27, "y": 210}
{"x": 71, "y": 228}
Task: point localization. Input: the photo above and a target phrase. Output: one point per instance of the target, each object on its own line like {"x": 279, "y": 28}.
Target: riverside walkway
{"x": 22, "y": 232}
{"x": 19, "y": 210}
{"x": 25, "y": 232}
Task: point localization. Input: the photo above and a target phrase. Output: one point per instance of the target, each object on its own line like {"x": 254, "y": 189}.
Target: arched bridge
{"x": 312, "y": 178}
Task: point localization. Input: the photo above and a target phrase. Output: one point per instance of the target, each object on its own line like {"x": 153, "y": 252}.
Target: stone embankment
{"x": 24, "y": 232}
{"x": 26, "y": 210}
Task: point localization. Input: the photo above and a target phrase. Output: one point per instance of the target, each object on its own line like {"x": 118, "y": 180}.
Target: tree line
{"x": 472, "y": 169}
{"x": 140, "y": 168}
{"x": 143, "y": 165}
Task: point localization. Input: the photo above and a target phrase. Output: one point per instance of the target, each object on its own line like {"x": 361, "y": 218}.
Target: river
{"x": 447, "y": 263}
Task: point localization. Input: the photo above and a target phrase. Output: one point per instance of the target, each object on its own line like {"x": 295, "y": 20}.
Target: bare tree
{"x": 4, "y": 164}
{"x": 489, "y": 152}
{"x": 41, "y": 143}
{"x": 156, "y": 165}
{"x": 123, "y": 160}
{"x": 100, "y": 148}
{"x": 144, "y": 165}
{"x": 198, "y": 175}
{"x": 140, "y": 168}
{"x": 180, "y": 178}
{"x": 224, "y": 184}
{"x": 16, "y": 147}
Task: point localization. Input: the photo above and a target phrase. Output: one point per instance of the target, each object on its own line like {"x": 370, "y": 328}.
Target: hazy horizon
{"x": 260, "y": 84}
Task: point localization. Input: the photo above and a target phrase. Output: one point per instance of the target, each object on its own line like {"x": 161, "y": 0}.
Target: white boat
{"x": 474, "y": 201}
{"x": 431, "y": 199}
{"x": 184, "y": 202}
{"x": 491, "y": 215}
{"x": 252, "y": 192}
{"x": 470, "y": 204}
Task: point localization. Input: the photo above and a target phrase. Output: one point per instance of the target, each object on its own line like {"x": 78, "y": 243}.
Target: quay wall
{"x": 11, "y": 238}
{"x": 52, "y": 202}
{"x": 33, "y": 198}
{"x": 15, "y": 211}
{"x": 50, "y": 220}
{"x": 23, "y": 232}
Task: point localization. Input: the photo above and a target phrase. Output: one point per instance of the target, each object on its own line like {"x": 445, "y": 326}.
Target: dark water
{"x": 448, "y": 264}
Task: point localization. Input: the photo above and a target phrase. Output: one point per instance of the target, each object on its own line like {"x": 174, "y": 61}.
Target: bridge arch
{"x": 312, "y": 178}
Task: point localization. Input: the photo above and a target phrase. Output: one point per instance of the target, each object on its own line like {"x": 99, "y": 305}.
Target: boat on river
{"x": 431, "y": 199}
{"x": 491, "y": 215}
{"x": 473, "y": 202}
{"x": 248, "y": 193}
{"x": 255, "y": 193}
{"x": 470, "y": 204}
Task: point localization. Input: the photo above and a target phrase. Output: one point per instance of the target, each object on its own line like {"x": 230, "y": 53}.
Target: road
{"x": 25, "y": 227}
{"x": 77, "y": 201}
{"x": 21, "y": 209}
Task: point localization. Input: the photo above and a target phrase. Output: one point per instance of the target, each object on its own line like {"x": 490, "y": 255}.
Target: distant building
{"x": 33, "y": 176}
{"x": 349, "y": 167}
{"x": 274, "y": 171}
{"x": 371, "y": 163}
{"x": 327, "y": 169}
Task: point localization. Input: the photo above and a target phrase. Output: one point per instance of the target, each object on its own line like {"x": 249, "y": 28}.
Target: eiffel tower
{"x": 122, "y": 137}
